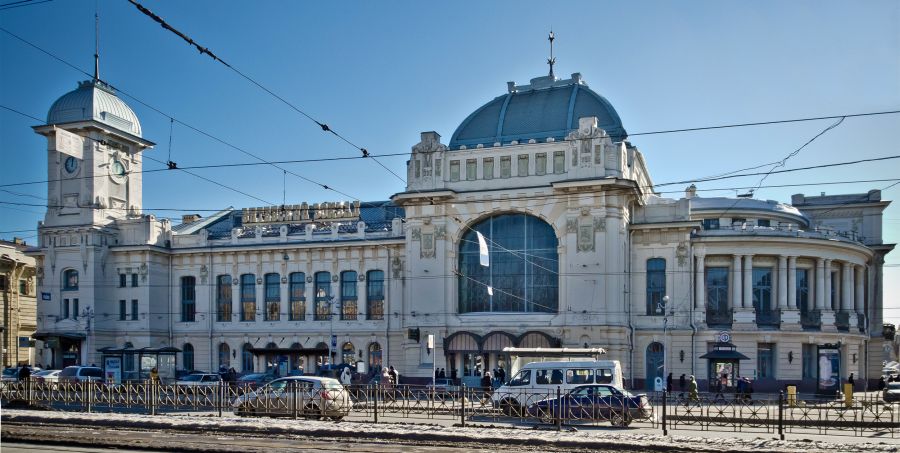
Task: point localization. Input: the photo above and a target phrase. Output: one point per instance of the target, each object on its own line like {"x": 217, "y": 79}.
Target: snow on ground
{"x": 414, "y": 432}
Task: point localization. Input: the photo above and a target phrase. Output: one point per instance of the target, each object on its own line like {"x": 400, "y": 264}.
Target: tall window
{"x": 323, "y": 296}
{"x": 809, "y": 352}
{"x": 223, "y": 298}
{"x": 454, "y": 170}
{"x": 134, "y": 309}
{"x": 540, "y": 163}
{"x": 523, "y": 272}
{"x": 717, "y": 289}
{"x": 65, "y": 309}
{"x": 505, "y": 166}
{"x": 523, "y": 165}
{"x": 246, "y": 358}
{"x": 471, "y": 169}
{"x": 375, "y": 295}
{"x": 487, "y": 168}
{"x": 656, "y": 286}
{"x": 802, "y": 290}
{"x": 188, "y": 299}
{"x": 248, "y": 297}
{"x": 273, "y": 297}
{"x": 348, "y": 353}
{"x": 762, "y": 289}
{"x": 122, "y": 279}
{"x": 298, "y": 296}
{"x": 559, "y": 162}
{"x": 74, "y": 308}
{"x": 348, "y": 295}
{"x": 70, "y": 280}
{"x": 765, "y": 358}
{"x": 134, "y": 280}
{"x": 375, "y": 357}
{"x": 224, "y": 356}
{"x": 187, "y": 356}
{"x": 122, "y": 307}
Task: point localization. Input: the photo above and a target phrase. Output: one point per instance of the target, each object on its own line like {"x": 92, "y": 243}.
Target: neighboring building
{"x": 17, "y": 291}
{"x": 582, "y": 252}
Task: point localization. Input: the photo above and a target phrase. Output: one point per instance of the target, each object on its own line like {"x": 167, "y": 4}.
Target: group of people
{"x": 882, "y": 382}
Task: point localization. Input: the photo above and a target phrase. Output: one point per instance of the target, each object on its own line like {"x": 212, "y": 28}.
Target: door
{"x": 655, "y": 366}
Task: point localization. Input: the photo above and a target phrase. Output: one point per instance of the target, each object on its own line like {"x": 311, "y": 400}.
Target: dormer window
{"x": 762, "y": 222}
{"x": 710, "y": 224}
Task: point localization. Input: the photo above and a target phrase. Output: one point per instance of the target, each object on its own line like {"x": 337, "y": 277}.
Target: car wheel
{"x": 311, "y": 410}
{"x": 619, "y": 419}
{"x": 337, "y": 418}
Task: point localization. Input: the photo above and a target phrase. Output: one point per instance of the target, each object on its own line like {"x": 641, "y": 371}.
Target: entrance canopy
{"x": 292, "y": 350}
{"x": 724, "y": 351}
{"x": 66, "y": 335}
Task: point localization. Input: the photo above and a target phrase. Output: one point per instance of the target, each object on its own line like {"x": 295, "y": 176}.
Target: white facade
{"x": 228, "y": 290}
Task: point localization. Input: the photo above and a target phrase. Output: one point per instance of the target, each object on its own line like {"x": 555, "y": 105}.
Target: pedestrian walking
{"x": 443, "y": 374}
{"x": 693, "y": 392}
{"x": 682, "y": 381}
{"x": 154, "y": 376}
{"x": 24, "y": 373}
{"x": 346, "y": 376}
{"x": 501, "y": 375}
{"x": 669, "y": 383}
{"x": 881, "y": 384}
{"x": 850, "y": 380}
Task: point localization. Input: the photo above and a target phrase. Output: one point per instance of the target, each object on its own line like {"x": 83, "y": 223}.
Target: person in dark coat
{"x": 881, "y": 384}
{"x": 669, "y": 383}
{"x": 501, "y": 376}
{"x": 850, "y": 379}
{"x": 442, "y": 373}
{"x": 24, "y": 373}
{"x": 682, "y": 381}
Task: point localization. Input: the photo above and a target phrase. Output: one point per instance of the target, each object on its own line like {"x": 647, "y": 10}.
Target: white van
{"x": 537, "y": 381}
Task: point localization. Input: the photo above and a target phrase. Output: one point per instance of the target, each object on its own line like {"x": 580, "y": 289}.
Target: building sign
{"x": 112, "y": 370}
{"x": 25, "y": 342}
{"x": 829, "y": 377}
{"x": 69, "y": 143}
{"x": 724, "y": 336}
{"x": 298, "y": 213}
{"x": 45, "y": 296}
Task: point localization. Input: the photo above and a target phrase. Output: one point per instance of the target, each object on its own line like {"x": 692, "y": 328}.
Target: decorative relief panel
{"x": 681, "y": 252}
{"x": 572, "y": 225}
{"x": 427, "y": 249}
{"x": 585, "y": 238}
{"x": 416, "y": 234}
{"x": 599, "y": 224}
{"x": 440, "y": 233}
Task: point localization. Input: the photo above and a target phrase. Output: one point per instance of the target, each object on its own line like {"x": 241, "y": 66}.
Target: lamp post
{"x": 665, "y": 309}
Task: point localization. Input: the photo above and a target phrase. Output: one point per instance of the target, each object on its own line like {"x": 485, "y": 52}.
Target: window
{"x": 738, "y": 221}
{"x": 523, "y": 165}
{"x": 551, "y": 377}
{"x": 74, "y": 308}
{"x": 375, "y": 295}
{"x": 375, "y": 357}
{"x": 224, "y": 356}
{"x": 348, "y": 295}
{"x": 604, "y": 376}
{"x": 70, "y": 280}
{"x": 65, "y": 309}
{"x": 656, "y": 286}
{"x": 134, "y": 309}
{"x": 188, "y": 299}
{"x": 710, "y": 224}
{"x": 273, "y": 297}
{"x": 505, "y": 167}
{"x": 23, "y": 287}
{"x": 454, "y": 170}
{"x": 187, "y": 356}
{"x": 540, "y": 163}
{"x": 2, "y": 283}
{"x": 298, "y": 296}
{"x": 580, "y": 376}
{"x": 520, "y": 379}
{"x": 519, "y": 285}
{"x": 134, "y": 280}
{"x": 248, "y": 297}
{"x": 487, "y": 170}
{"x": 437, "y": 167}
{"x": 762, "y": 289}
{"x": 471, "y": 168}
{"x": 223, "y": 298}
{"x": 122, "y": 279}
{"x": 559, "y": 162}
{"x": 802, "y": 282}
{"x": 765, "y": 361}
{"x": 323, "y": 296}
{"x": 418, "y": 165}
{"x": 246, "y": 358}
{"x": 348, "y": 353}
{"x": 717, "y": 289}
{"x": 122, "y": 306}
{"x": 809, "y": 361}
{"x": 763, "y": 222}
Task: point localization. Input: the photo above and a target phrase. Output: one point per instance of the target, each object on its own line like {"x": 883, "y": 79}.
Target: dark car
{"x": 594, "y": 402}
{"x": 891, "y": 392}
{"x": 252, "y": 381}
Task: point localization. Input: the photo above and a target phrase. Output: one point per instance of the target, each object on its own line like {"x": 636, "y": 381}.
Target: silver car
{"x": 304, "y": 395}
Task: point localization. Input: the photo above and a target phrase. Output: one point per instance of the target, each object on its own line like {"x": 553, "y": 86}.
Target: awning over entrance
{"x": 724, "y": 351}
{"x": 271, "y": 350}
{"x": 66, "y": 335}
{"x": 145, "y": 351}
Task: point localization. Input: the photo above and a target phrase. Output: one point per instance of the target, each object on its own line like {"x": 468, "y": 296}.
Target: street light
{"x": 664, "y": 306}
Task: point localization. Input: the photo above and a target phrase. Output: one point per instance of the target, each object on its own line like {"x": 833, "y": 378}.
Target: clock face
{"x": 71, "y": 164}
{"x": 118, "y": 172}
{"x": 118, "y": 169}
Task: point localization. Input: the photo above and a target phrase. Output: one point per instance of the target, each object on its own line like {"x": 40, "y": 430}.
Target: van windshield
{"x": 522, "y": 378}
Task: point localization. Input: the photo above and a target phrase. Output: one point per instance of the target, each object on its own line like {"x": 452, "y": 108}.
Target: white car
{"x": 80, "y": 374}
{"x": 310, "y": 396}
{"x": 47, "y": 376}
{"x": 200, "y": 379}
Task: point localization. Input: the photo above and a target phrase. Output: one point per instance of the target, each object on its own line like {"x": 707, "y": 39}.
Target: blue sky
{"x": 382, "y": 72}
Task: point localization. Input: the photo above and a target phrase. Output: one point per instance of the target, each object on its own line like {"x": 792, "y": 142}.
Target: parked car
{"x": 10, "y": 374}
{"x": 200, "y": 380}
{"x": 81, "y": 374}
{"x": 594, "y": 402}
{"x": 252, "y": 381}
{"x": 311, "y": 396}
{"x": 537, "y": 381}
{"x": 443, "y": 388}
{"x": 891, "y": 393}
{"x": 47, "y": 375}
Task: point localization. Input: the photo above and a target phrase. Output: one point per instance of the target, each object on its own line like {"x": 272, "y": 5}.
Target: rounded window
{"x": 522, "y": 274}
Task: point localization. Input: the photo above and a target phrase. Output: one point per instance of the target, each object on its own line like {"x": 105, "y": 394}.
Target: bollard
{"x": 559, "y": 414}
{"x": 90, "y": 394}
{"x": 293, "y": 396}
{"x": 781, "y": 414}
{"x": 665, "y": 395}
{"x": 462, "y": 409}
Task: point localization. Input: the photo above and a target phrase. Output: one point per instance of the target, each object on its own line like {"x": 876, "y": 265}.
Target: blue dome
{"x": 545, "y": 108}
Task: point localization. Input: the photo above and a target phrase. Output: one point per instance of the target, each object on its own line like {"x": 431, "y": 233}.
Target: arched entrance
{"x": 655, "y": 365}
{"x": 496, "y": 359}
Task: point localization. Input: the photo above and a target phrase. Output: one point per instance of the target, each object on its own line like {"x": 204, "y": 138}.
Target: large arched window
{"x": 323, "y": 296}
{"x": 273, "y": 297}
{"x": 246, "y": 358}
{"x": 70, "y": 280}
{"x": 224, "y": 356}
{"x": 656, "y": 286}
{"x": 523, "y": 268}
{"x": 187, "y": 356}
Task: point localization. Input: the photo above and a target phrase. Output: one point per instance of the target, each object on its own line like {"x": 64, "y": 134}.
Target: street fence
{"x": 862, "y": 415}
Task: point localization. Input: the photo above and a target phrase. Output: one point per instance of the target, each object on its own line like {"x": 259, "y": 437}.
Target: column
{"x": 782, "y": 283}
{"x": 700, "y": 285}
{"x": 736, "y": 282}
{"x": 859, "y": 305}
{"x": 820, "y": 284}
{"x": 792, "y": 283}
{"x": 829, "y": 303}
{"x": 846, "y": 286}
{"x": 747, "y": 303}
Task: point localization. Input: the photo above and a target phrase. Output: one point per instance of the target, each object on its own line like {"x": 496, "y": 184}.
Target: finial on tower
{"x": 551, "y": 61}
{"x": 96, "y": 43}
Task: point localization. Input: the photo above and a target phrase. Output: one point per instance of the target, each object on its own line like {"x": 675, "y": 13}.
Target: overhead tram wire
{"x": 19, "y": 4}
{"x": 205, "y": 50}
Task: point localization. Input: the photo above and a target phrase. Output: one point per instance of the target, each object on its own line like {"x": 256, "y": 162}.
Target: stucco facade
{"x": 662, "y": 284}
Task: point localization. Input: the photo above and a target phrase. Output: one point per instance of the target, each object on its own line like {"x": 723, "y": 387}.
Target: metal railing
{"x": 720, "y": 317}
{"x": 865, "y": 414}
{"x": 842, "y": 321}
{"x": 771, "y": 318}
{"x": 811, "y": 320}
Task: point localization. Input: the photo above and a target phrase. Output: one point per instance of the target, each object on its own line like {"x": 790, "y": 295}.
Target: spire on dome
{"x": 551, "y": 61}
{"x": 96, "y": 45}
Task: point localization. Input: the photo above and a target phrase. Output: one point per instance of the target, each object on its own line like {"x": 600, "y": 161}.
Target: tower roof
{"x": 94, "y": 100}
{"x": 545, "y": 108}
